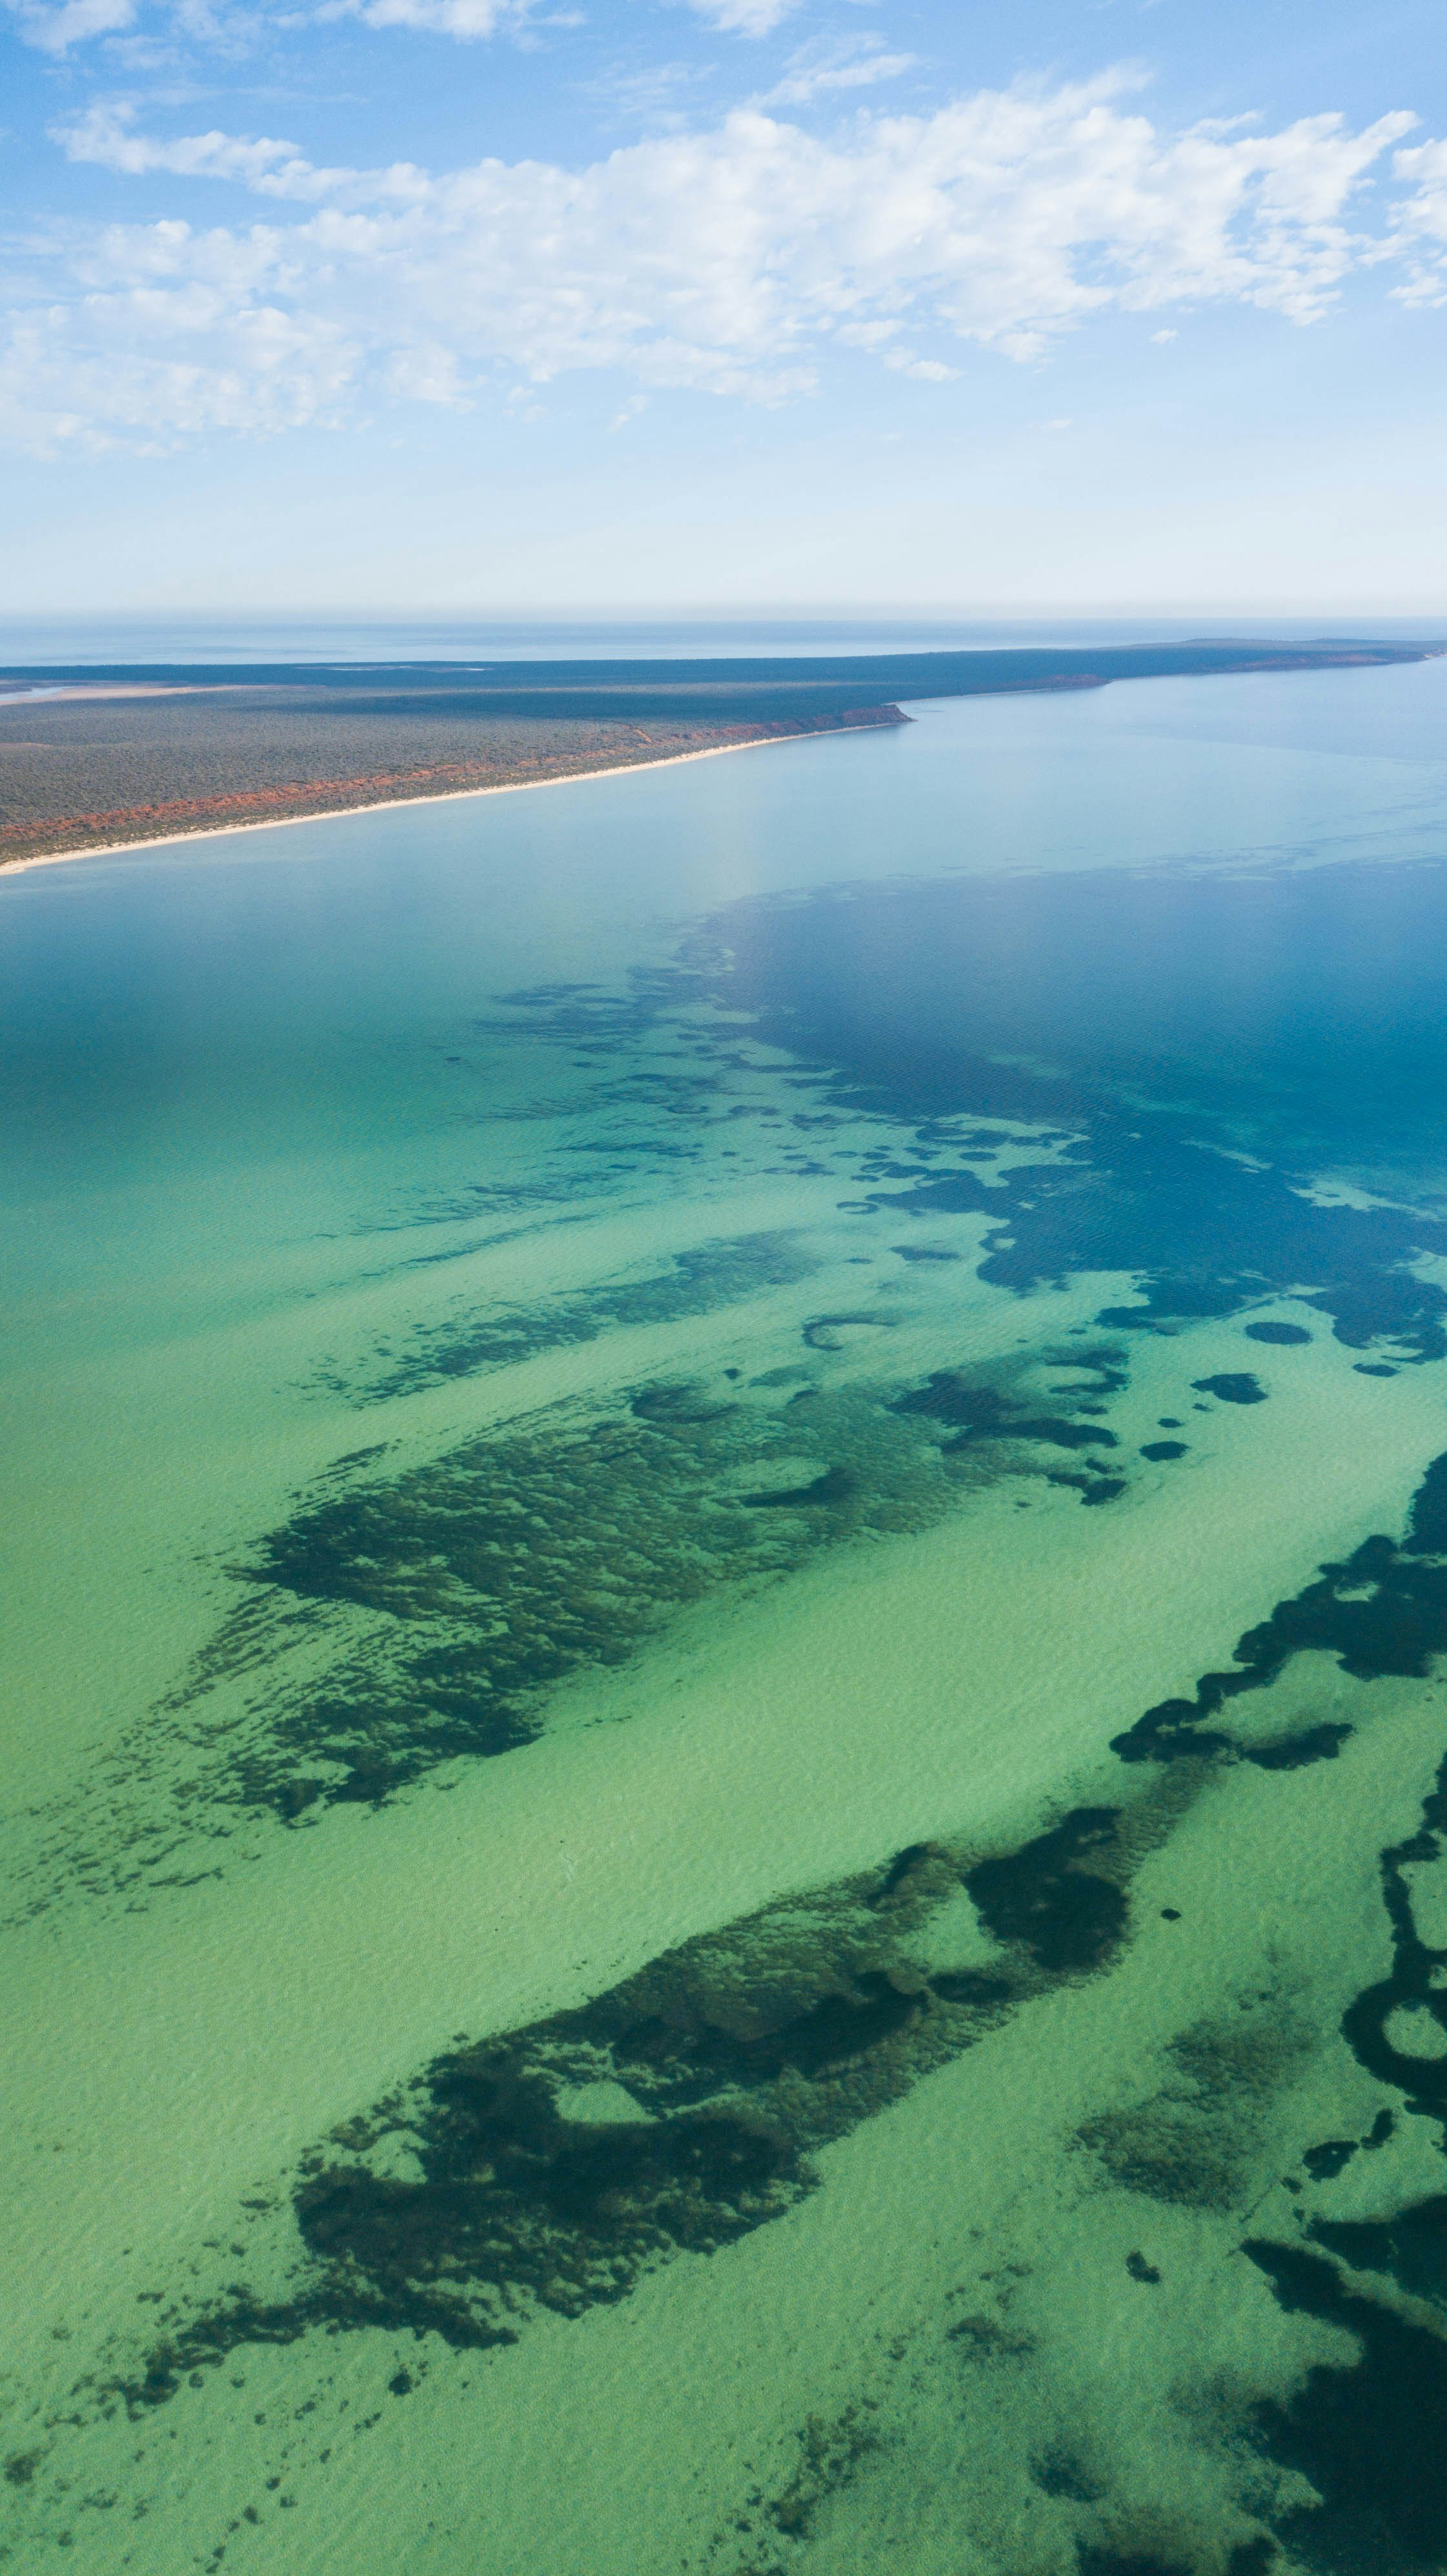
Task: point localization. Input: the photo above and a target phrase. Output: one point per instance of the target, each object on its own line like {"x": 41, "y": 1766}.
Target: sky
{"x": 963, "y": 307}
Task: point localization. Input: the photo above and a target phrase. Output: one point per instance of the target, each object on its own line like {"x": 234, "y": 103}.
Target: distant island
{"x": 102, "y": 757}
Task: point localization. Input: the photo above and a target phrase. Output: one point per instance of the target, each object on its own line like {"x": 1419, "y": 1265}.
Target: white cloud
{"x": 56, "y": 25}
{"x": 727, "y": 261}
{"x": 1422, "y": 224}
{"x": 160, "y": 362}
{"x": 656, "y": 94}
{"x": 55, "y": 30}
{"x": 468, "y": 19}
{"x": 928, "y": 371}
{"x": 744, "y": 17}
{"x": 106, "y": 135}
{"x": 816, "y": 69}
{"x": 1426, "y": 210}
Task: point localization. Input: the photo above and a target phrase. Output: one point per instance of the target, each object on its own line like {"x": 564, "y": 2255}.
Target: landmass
{"x": 87, "y": 779}
{"x": 104, "y": 757}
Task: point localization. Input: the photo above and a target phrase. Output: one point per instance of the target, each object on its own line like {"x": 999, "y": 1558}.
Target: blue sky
{"x": 500, "y": 305}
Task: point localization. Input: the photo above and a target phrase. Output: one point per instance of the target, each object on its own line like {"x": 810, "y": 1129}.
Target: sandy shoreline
{"x": 68, "y": 693}
{"x": 444, "y": 796}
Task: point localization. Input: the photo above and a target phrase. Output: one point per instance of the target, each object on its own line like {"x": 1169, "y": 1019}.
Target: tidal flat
{"x": 724, "y": 1703}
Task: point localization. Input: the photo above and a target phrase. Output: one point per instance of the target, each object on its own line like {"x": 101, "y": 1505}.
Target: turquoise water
{"x": 699, "y": 1873}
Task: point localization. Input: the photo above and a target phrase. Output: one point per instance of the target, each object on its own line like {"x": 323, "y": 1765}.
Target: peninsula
{"x": 103, "y": 757}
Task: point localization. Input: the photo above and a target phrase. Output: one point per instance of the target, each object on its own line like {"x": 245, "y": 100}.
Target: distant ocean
{"x": 243, "y": 639}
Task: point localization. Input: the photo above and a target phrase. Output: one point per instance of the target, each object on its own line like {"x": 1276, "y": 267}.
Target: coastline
{"x": 652, "y": 694}
{"x": 444, "y": 796}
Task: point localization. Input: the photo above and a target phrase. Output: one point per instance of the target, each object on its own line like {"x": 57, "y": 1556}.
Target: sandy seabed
{"x": 802, "y": 2100}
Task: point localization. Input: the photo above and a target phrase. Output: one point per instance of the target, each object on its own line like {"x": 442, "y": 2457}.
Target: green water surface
{"x": 699, "y": 1875}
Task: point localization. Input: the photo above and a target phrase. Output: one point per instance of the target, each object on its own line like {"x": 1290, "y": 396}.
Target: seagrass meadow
{"x": 724, "y": 1708}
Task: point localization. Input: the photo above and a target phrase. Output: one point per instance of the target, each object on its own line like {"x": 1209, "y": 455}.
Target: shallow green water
{"x": 699, "y": 1874}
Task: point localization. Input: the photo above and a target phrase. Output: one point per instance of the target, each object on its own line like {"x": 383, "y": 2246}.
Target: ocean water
{"x": 724, "y": 1757}
{"x": 589, "y": 637}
